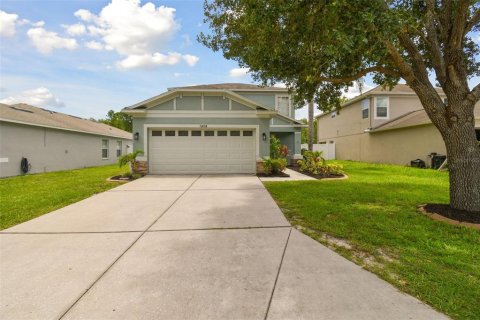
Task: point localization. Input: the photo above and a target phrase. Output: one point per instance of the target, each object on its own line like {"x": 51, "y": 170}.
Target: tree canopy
{"x": 319, "y": 47}
{"x": 118, "y": 120}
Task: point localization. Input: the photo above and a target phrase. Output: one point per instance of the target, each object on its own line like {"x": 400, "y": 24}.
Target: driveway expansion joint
{"x": 278, "y": 274}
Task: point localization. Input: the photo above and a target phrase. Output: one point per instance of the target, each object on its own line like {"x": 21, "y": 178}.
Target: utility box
{"x": 438, "y": 160}
{"x": 417, "y": 163}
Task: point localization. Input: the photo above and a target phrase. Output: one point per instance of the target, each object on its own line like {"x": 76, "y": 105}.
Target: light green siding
{"x": 215, "y": 103}
{"x": 264, "y": 99}
{"x": 189, "y": 103}
{"x": 282, "y": 122}
{"x": 239, "y": 107}
{"x": 167, "y": 105}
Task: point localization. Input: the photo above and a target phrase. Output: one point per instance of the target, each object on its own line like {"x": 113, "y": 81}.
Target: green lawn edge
{"x": 29, "y": 196}
{"x": 371, "y": 219}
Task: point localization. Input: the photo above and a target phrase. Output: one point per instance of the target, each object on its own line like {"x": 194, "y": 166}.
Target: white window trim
{"x": 289, "y": 103}
{"x": 121, "y": 148}
{"x": 108, "y": 149}
{"x": 375, "y": 108}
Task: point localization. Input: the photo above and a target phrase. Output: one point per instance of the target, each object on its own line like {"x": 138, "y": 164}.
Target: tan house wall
{"x": 398, "y": 146}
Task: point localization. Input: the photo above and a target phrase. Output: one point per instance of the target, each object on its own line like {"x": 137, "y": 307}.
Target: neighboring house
{"x": 217, "y": 128}
{"x": 383, "y": 126}
{"x": 53, "y": 141}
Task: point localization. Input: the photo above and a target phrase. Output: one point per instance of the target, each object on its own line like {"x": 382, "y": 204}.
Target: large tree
{"x": 319, "y": 47}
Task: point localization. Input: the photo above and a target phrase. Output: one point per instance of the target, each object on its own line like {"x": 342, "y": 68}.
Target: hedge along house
{"x": 217, "y": 128}
{"x": 53, "y": 141}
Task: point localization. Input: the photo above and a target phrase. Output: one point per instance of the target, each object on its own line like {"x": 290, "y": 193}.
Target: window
{"x": 234, "y": 133}
{"x": 196, "y": 133}
{"x": 119, "y": 148}
{"x": 222, "y": 133}
{"x": 381, "y": 107}
{"x": 104, "y": 149}
{"x": 283, "y": 105}
{"x": 169, "y": 133}
{"x": 183, "y": 133}
{"x": 365, "y": 107}
{"x": 248, "y": 133}
{"x": 156, "y": 133}
{"x": 209, "y": 133}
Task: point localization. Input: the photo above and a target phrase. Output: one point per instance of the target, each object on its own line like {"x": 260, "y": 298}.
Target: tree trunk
{"x": 463, "y": 154}
{"x": 310, "y": 125}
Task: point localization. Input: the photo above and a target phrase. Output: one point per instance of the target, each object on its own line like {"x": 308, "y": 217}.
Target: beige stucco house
{"x": 383, "y": 126}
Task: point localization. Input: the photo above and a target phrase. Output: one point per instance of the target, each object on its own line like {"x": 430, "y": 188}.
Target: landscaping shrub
{"x": 277, "y": 161}
{"x": 314, "y": 163}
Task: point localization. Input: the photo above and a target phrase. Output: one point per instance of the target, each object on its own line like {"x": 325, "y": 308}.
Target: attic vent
{"x": 18, "y": 109}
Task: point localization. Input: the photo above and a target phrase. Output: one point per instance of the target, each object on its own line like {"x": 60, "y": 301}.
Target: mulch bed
{"x": 444, "y": 212}
{"x": 277, "y": 175}
{"x": 120, "y": 178}
{"x": 317, "y": 176}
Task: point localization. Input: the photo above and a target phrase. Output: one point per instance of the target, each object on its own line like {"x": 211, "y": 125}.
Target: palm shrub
{"x": 130, "y": 159}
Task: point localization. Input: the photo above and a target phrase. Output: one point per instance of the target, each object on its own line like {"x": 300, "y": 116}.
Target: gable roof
{"x": 232, "y": 86}
{"x": 30, "y": 115}
{"x": 398, "y": 90}
{"x": 149, "y": 103}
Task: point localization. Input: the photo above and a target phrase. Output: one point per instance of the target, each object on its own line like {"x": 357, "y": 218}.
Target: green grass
{"x": 26, "y": 197}
{"x": 371, "y": 219}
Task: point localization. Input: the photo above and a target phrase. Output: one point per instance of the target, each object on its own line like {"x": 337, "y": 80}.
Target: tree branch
{"x": 358, "y": 75}
{"x": 474, "y": 95}
{"x": 473, "y": 21}
{"x": 459, "y": 23}
{"x": 432, "y": 40}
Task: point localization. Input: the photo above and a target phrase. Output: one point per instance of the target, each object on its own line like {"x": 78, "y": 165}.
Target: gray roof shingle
{"x": 27, "y": 114}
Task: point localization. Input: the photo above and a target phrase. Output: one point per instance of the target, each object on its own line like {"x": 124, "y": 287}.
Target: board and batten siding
{"x": 52, "y": 150}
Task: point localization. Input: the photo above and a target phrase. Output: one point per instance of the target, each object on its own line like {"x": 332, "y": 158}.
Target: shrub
{"x": 130, "y": 158}
{"x": 314, "y": 163}
{"x": 274, "y": 147}
{"x": 274, "y": 166}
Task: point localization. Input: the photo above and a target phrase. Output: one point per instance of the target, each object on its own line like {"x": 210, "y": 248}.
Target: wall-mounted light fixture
{"x": 136, "y": 136}
{"x": 264, "y": 136}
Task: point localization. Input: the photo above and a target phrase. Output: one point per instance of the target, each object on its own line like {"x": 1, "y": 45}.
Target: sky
{"x": 87, "y": 57}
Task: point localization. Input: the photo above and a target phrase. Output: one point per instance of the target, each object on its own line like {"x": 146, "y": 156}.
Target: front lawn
{"x": 26, "y": 197}
{"x": 371, "y": 219}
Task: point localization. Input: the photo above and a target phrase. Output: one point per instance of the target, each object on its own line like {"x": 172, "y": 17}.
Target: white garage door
{"x": 177, "y": 151}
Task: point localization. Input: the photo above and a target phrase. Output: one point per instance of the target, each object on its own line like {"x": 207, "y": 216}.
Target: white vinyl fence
{"x": 327, "y": 149}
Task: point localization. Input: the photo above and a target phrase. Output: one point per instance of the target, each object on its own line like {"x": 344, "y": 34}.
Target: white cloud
{"x": 238, "y": 72}
{"x": 40, "y": 97}
{"x": 94, "y": 45}
{"x": 139, "y": 33}
{"x": 354, "y": 90}
{"x": 146, "y": 61}
{"x": 7, "y": 24}
{"x": 84, "y": 15}
{"x": 190, "y": 60}
{"x": 45, "y": 41}
{"x": 76, "y": 29}
{"x": 40, "y": 23}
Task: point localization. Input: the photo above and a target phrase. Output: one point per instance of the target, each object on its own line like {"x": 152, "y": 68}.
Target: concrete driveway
{"x": 184, "y": 247}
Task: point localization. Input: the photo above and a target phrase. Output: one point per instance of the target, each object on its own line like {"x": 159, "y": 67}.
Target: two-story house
{"x": 383, "y": 126}
{"x": 216, "y": 128}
